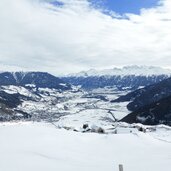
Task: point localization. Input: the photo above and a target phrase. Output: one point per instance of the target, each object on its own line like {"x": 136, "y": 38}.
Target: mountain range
{"x": 129, "y": 77}
{"x": 42, "y": 96}
{"x": 124, "y": 71}
{"x": 37, "y": 79}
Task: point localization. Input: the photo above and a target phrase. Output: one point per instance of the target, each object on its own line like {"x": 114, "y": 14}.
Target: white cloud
{"x": 35, "y": 35}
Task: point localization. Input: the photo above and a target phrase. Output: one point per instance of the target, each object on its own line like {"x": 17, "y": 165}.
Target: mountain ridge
{"x": 149, "y": 105}
{"x": 126, "y": 70}
{"x": 38, "y": 79}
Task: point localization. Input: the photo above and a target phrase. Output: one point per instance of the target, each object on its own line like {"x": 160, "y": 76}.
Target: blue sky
{"x": 126, "y": 6}
{"x": 57, "y": 3}
{"x": 120, "y": 6}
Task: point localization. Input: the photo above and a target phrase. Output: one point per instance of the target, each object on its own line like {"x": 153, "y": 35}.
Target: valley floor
{"x": 41, "y": 147}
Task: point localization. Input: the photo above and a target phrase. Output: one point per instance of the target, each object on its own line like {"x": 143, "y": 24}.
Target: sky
{"x": 125, "y": 6}
{"x": 69, "y": 36}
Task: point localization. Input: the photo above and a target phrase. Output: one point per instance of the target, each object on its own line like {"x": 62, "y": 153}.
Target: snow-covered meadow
{"x": 40, "y": 147}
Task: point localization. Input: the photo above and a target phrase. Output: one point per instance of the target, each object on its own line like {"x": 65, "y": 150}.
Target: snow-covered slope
{"x": 42, "y": 147}
{"x": 127, "y": 70}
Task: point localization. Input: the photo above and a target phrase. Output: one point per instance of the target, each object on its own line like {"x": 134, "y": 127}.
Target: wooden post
{"x": 120, "y": 167}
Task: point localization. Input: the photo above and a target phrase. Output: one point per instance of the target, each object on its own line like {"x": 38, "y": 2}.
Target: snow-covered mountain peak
{"x": 126, "y": 70}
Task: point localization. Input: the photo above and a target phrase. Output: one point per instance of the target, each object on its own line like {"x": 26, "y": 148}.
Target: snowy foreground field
{"x": 42, "y": 147}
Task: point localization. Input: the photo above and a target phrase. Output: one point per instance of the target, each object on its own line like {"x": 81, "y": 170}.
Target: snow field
{"x": 42, "y": 147}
